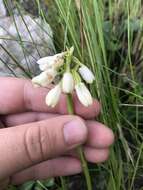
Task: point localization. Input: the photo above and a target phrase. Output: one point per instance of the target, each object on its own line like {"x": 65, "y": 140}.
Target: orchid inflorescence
{"x": 70, "y": 71}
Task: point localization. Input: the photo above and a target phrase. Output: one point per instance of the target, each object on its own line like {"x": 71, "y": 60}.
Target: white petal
{"x": 80, "y": 95}
{"x": 68, "y": 83}
{"x": 51, "y": 72}
{"x": 53, "y": 96}
{"x": 46, "y": 62}
{"x": 44, "y": 66}
{"x": 83, "y": 94}
{"x": 86, "y": 74}
{"x": 58, "y": 60}
{"x": 54, "y": 61}
{"x": 44, "y": 79}
{"x": 87, "y": 94}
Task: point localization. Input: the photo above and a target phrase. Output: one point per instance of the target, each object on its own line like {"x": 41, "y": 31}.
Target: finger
{"x": 92, "y": 155}
{"x": 96, "y": 155}
{"x": 27, "y": 117}
{"x": 19, "y": 95}
{"x": 56, "y": 167}
{"x": 33, "y": 143}
{"x": 59, "y": 167}
{"x": 99, "y": 136}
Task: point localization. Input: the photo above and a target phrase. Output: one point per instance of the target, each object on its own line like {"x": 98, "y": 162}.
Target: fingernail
{"x": 75, "y": 132}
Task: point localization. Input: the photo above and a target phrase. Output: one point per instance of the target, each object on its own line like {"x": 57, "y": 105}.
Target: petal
{"x": 53, "y": 96}
{"x": 68, "y": 83}
{"x": 86, "y": 74}
{"x": 87, "y": 94}
{"x": 41, "y": 80}
{"x": 43, "y": 66}
{"x": 46, "y": 62}
{"x": 80, "y": 95}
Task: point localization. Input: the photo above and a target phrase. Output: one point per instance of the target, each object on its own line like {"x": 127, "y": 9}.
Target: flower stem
{"x": 70, "y": 104}
{"x": 80, "y": 149}
{"x": 85, "y": 168}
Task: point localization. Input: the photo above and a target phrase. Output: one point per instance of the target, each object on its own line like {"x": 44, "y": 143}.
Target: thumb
{"x": 29, "y": 144}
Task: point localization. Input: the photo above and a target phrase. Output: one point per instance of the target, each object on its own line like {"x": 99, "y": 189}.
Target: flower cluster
{"x": 71, "y": 70}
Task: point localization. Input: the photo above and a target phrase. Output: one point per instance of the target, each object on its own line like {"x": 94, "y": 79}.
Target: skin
{"x": 36, "y": 141}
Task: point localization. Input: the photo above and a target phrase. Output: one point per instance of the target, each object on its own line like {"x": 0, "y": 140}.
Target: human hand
{"x": 39, "y": 142}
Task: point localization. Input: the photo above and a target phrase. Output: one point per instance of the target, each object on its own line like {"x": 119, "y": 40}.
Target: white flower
{"x": 83, "y": 94}
{"x": 68, "y": 83}
{"x": 45, "y": 78}
{"x": 53, "y": 96}
{"x": 86, "y": 74}
{"x": 43, "y": 66}
{"x": 54, "y": 61}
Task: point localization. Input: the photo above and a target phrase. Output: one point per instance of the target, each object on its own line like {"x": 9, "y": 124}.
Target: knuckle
{"x": 34, "y": 143}
{"x": 39, "y": 143}
{"x": 52, "y": 143}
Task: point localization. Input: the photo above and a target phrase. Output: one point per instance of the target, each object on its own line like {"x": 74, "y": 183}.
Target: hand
{"x": 39, "y": 142}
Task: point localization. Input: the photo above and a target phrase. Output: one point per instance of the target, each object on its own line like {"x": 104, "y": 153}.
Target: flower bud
{"x": 45, "y": 78}
{"x": 54, "y": 61}
{"x": 86, "y": 74}
{"x": 83, "y": 94}
{"x": 53, "y": 96}
{"x": 68, "y": 83}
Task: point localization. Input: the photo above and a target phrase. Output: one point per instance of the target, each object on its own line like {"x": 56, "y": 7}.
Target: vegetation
{"x": 107, "y": 36}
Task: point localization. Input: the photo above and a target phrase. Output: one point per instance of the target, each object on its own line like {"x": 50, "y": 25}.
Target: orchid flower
{"x": 70, "y": 77}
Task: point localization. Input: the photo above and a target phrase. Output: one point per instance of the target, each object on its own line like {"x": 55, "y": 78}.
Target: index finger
{"x": 19, "y": 95}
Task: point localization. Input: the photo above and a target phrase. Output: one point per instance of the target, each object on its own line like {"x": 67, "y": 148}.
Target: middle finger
{"x": 99, "y": 136}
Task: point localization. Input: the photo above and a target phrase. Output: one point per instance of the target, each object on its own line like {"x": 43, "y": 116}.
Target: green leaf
{"x": 49, "y": 182}
{"x": 38, "y": 187}
{"x": 27, "y": 186}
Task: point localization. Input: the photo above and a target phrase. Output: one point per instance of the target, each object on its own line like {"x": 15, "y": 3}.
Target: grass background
{"x": 108, "y": 37}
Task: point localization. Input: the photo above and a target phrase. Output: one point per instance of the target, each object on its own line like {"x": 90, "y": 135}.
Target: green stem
{"x": 79, "y": 149}
{"x": 70, "y": 104}
{"x": 63, "y": 183}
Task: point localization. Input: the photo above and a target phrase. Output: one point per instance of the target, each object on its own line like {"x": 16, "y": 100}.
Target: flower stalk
{"x": 70, "y": 106}
{"x": 80, "y": 149}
